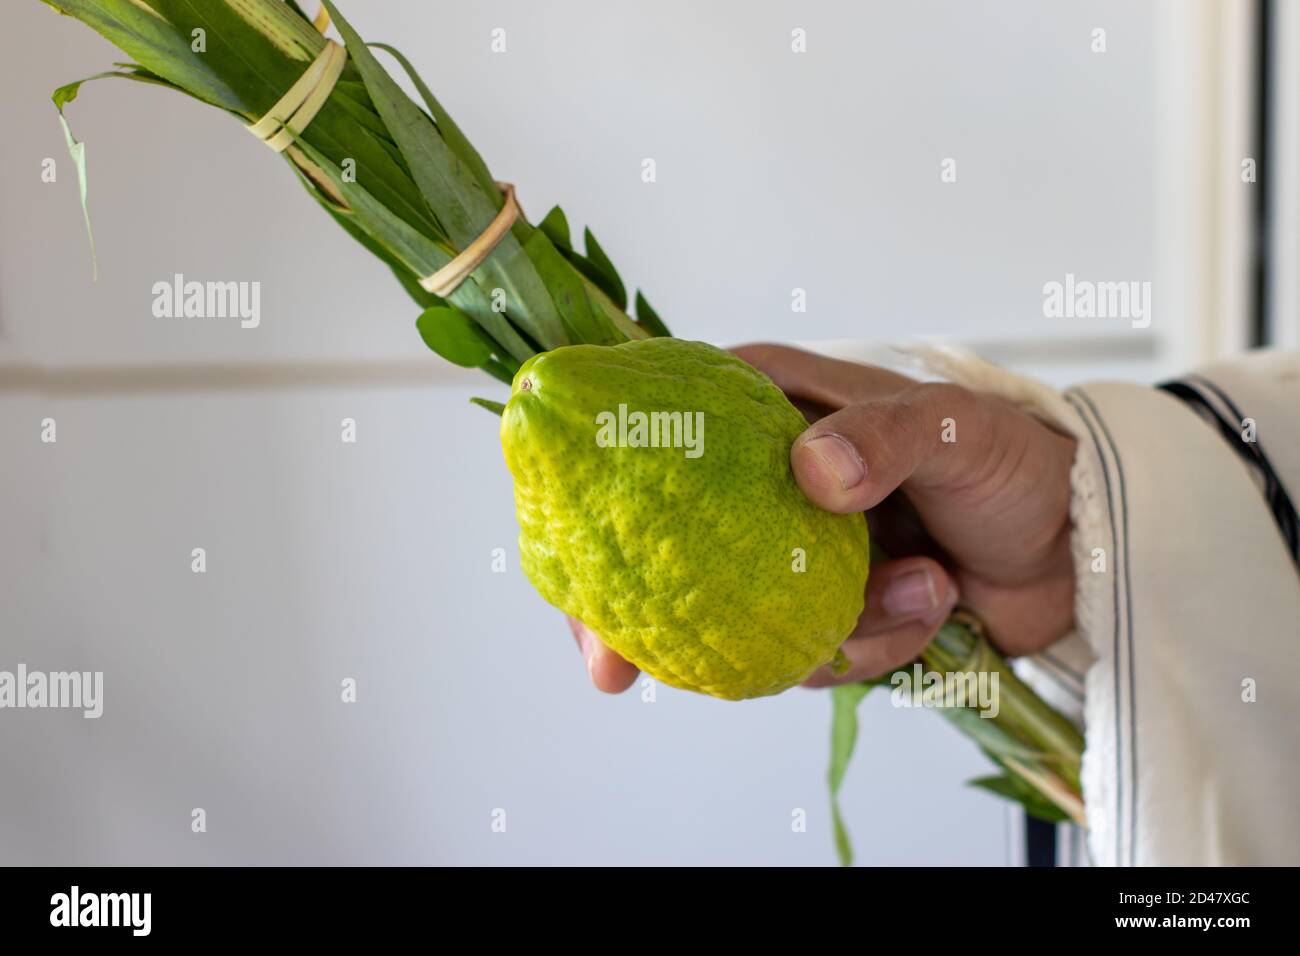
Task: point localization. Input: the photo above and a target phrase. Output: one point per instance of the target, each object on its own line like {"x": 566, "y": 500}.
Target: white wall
{"x": 373, "y": 561}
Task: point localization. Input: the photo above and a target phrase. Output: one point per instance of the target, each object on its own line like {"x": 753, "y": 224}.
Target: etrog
{"x": 656, "y": 504}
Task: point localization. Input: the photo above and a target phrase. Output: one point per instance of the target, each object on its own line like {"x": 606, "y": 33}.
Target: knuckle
{"x": 940, "y": 396}
{"x": 757, "y": 354}
{"x": 868, "y": 425}
{"x": 941, "y": 404}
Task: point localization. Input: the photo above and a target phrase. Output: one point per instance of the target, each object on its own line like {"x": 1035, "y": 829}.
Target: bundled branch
{"x": 492, "y": 289}
{"x": 403, "y": 180}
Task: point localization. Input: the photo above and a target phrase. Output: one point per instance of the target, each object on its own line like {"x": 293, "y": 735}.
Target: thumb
{"x": 852, "y": 459}
{"x": 607, "y": 670}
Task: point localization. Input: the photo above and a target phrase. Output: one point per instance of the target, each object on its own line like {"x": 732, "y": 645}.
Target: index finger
{"x": 833, "y": 383}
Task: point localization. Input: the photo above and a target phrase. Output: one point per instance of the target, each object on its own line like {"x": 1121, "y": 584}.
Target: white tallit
{"x": 1185, "y": 667}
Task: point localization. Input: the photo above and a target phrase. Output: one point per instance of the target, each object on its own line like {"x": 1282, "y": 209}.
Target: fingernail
{"x": 910, "y": 594}
{"x": 840, "y": 457}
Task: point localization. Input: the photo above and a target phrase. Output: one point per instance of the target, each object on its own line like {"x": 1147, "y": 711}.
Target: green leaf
{"x": 494, "y": 407}
{"x": 451, "y": 133}
{"x": 603, "y": 320}
{"x": 592, "y": 273}
{"x": 845, "y": 699}
{"x": 422, "y": 297}
{"x": 454, "y": 335}
{"x": 297, "y": 8}
{"x": 989, "y": 735}
{"x": 556, "y": 227}
{"x": 62, "y": 97}
{"x": 262, "y": 49}
{"x": 622, "y": 328}
{"x": 78, "y": 153}
{"x": 1015, "y": 789}
{"x": 68, "y": 92}
{"x": 612, "y": 285}
{"x": 648, "y": 318}
{"x": 150, "y": 39}
{"x": 255, "y": 51}
{"x": 501, "y": 370}
{"x": 346, "y": 219}
{"x": 418, "y": 254}
{"x": 581, "y": 323}
{"x": 460, "y": 205}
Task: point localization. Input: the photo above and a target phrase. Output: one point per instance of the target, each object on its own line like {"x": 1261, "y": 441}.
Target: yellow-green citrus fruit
{"x": 656, "y": 504}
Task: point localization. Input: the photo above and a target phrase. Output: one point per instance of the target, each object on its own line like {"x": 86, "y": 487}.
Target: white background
{"x": 372, "y": 560}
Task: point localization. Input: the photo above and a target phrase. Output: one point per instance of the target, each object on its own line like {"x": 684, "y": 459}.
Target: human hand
{"x": 984, "y": 518}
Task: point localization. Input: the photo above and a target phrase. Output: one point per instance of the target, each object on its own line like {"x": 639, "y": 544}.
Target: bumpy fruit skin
{"x": 684, "y": 566}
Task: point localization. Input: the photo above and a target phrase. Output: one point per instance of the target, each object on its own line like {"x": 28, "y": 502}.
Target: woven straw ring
{"x": 445, "y": 281}
{"x": 286, "y": 120}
